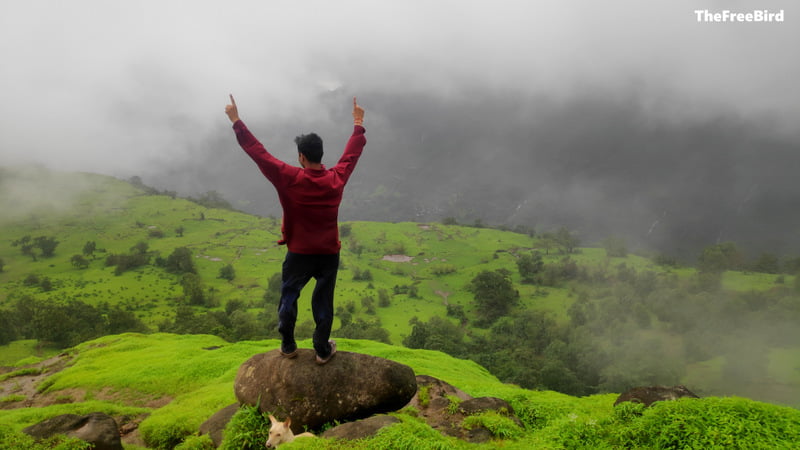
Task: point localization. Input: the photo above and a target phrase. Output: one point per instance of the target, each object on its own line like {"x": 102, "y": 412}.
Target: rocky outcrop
{"x": 215, "y": 425}
{"x": 98, "y": 429}
{"x": 351, "y": 386}
{"x": 361, "y": 428}
{"x": 444, "y": 407}
{"x": 650, "y": 394}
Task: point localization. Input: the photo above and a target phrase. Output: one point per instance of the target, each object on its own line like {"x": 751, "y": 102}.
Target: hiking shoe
{"x": 289, "y": 355}
{"x": 321, "y": 360}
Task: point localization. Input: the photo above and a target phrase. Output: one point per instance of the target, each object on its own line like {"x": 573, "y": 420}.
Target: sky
{"x": 139, "y": 88}
{"x": 115, "y": 86}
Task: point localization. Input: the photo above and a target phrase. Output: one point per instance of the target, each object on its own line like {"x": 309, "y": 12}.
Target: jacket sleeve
{"x": 277, "y": 172}
{"x": 352, "y": 151}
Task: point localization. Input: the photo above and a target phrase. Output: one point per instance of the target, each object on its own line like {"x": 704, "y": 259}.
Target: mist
{"x": 621, "y": 118}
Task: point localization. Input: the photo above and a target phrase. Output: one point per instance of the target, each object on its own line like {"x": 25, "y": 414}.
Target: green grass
{"x": 752, "y": 281}
{"x": 20, "y": 418}
{"x": 140, "y": 368}
{"x": 19, "y": 353}
{"x": 199, "y": 382}
{"x": 117, "y": 216}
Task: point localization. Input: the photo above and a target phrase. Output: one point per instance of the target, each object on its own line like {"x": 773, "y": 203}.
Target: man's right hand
{"x": 358, "y": 113}
{"x": 232, "y": 111}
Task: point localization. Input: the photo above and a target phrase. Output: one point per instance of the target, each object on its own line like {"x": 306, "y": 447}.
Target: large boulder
{"x": 650, "y": 394}
{"x": 98, "y": 429}
{"x": 349, "y": 387}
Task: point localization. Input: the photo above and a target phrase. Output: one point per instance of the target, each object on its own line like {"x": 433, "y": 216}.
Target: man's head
{"x": 309, "y": 146}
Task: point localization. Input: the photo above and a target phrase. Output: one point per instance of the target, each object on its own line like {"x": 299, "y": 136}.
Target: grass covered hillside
{"x": 117, "y": 217}
{"x": 169, "y": 384}
{"x": 85, "y": 255}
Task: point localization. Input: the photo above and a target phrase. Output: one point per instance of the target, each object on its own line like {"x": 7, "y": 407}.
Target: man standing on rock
{"x": 310, "y": 196}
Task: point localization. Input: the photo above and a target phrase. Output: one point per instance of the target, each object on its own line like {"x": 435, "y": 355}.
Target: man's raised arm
{"x": 276, "y": 171}
{"x": 355, "y": 145}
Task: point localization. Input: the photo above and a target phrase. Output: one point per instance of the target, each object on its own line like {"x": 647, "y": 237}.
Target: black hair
{"x": 310, "y": 145}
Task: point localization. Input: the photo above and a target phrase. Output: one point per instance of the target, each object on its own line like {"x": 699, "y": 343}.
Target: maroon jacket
{"x": 310, "y": 197}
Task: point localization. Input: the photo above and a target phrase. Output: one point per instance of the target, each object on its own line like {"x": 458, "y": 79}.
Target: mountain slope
{"x": 173, "y": 383}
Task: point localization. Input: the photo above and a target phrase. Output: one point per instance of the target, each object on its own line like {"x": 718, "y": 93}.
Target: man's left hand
{"x": 232, "y": 111}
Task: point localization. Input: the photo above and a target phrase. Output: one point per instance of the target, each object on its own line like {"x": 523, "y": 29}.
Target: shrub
{"x": 500, "y": 426}
{"x": 361, "y": 275}
{"x": 227, "y": 272}
{"x": 345, "y": 229}
{"x": 248, "y": 428}
{"x": 203, "y": 442}
{"x": 384, "y": 299}
{"x": 180, "y": 261}
{"x": 443, "y": 269}
{"x": 412, "y": 433}
{"x": 708, "y": 423}
{"x": 362, "y": 329}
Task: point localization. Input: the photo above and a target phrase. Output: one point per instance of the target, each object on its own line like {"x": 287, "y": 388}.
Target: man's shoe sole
{"x": 291, "y": 355}
{"x": 322, "y": 361}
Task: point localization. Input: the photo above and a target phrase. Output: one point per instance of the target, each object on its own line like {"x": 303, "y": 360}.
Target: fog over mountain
{"x": 626, "y": 118}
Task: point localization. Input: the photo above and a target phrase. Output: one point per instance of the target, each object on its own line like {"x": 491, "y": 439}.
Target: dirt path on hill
{"x": 26, "y": 383}
{"x": 22, "y": 391}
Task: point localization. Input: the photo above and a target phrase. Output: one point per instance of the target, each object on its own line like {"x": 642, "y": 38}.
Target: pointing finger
{"x": 233, "y": 102}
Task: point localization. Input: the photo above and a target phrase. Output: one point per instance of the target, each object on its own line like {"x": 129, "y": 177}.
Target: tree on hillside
{"x": 361, "y": 275}
{"x": 140, "y": 248}
{"x": 227, "y": 272}
{"x": 79, "y": 261}
{"x": 212, "y": 199}
{"x": 766, "y": 263}
{"x": 273, "y": 293}
{"x": 494, "y": 294}
{"x": 530, "y": 266}
{"x": 791, "y": 266}
{"x": 67, "y": 323}
{"x": 124, "y": 263}
{"x": 46, "y": 244}
{"x": 436, "y": 334}
{"x": 2, "y": 265}
{"x": 368, "y": 304}
{"x": 547, "y": 241}
{"x": 25, "y": 245}
{"x": 567, "y": 240}
{"x": 119, "y": 320}
{"x": 7, "y": 328}
{"x": 193, "y": 290}
{"x": 384, "y": 299}
{"x": 363, "y": 329}
{"x": 244, "y": 326}
{"x": 719, "y": 258}
{"x": 89, "y": 249}
{"x": 615, "y": 247}
{"x": 45, "y": 284}
{"x": 180, "y": 261}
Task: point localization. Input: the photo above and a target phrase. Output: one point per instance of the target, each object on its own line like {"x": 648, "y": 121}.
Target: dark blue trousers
{"x": 298, "y": 269}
